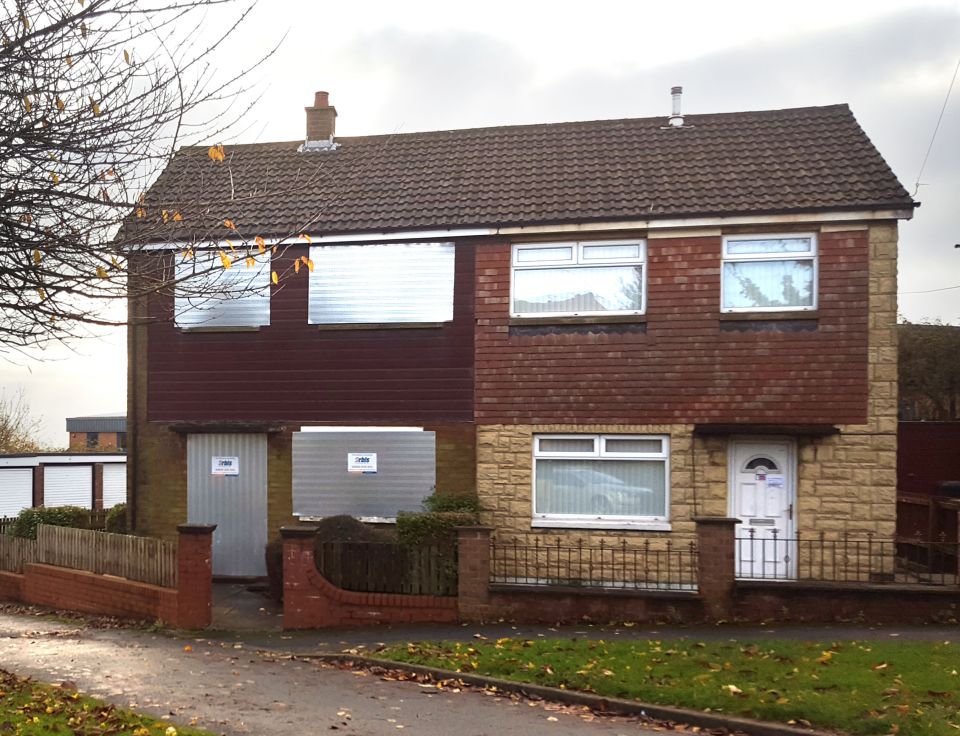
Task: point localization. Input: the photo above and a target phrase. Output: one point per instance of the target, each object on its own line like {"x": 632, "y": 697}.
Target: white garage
{"x": 16, "y": 490}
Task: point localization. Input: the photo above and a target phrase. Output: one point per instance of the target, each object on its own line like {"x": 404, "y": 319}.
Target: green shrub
{"x": 438, "y": 524}
{"x": 27, "y": 520}
{"x": 116, "y": 520}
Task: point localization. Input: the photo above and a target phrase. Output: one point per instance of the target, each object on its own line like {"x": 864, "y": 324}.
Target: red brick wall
{"x": 311, "y": 602}
{"x": 688, "y": 365}
{"x": 78, "y": 590}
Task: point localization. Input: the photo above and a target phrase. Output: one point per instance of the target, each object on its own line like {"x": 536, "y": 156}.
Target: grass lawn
{"x": 907, "y": 688}
{"x": 32, "y": 709}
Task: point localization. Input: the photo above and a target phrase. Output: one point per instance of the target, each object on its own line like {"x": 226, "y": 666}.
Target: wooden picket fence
{"x": 16, "y": 552}
{"x": 376, "y": 567}
{"x": 142, "y": 559}
{"x": 94, "y": 520}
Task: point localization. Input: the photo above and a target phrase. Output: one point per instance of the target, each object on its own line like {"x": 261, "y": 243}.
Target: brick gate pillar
{"x": 303, "y": 604}
{"x": 195, "y": 575}
{"x": 716, "y": 563}
{"x": 473, "y": 572}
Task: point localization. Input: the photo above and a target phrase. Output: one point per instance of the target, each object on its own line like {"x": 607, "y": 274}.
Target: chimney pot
{"x": 322, "y": 99}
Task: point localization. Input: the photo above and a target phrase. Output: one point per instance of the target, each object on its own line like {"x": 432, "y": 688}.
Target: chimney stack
{"x": 676, "y": 119}
{"x": 321, "y": 120}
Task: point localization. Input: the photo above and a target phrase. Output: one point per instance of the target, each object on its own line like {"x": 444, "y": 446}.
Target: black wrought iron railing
{"x": 618, "y": 566}
{"x": 846, "y": 558}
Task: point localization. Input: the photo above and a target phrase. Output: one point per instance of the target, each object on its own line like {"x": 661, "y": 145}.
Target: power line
{"x": 946, "y": 99}
{"x": 929, "y": 291}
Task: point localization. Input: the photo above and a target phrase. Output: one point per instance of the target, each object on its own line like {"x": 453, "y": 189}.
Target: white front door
{"x": 763, "y": 496}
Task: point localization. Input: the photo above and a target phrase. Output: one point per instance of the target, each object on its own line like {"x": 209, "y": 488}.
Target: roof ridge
{"x": 561, "y": 124}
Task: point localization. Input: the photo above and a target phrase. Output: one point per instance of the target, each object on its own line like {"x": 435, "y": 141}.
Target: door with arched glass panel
{"x": 763, "y": 496}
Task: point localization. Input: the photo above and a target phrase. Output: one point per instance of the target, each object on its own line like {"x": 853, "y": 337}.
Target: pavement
{"x": 254, "y": 678}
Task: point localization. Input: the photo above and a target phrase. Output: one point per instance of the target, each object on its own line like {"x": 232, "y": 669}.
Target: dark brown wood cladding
{"x": 687, "y": 365}
{"x": 292, "y": 371}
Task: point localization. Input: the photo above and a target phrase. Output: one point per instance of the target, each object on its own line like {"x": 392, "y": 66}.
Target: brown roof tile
{"x": 802, "y": 159}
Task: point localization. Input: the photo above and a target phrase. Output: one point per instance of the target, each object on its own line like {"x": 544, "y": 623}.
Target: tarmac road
{"x": 230, "y": 688}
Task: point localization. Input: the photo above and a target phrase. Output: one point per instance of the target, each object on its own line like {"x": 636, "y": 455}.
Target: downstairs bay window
{"x": 601, "y": 481}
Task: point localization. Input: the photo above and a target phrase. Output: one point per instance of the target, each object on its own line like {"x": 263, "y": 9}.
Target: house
{"x": 603, "y": 329}
{"x": 98, "y": 432}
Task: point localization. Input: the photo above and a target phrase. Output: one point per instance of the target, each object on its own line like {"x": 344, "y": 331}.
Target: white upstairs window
{"x": 381, "y": 284}
{"x": 209, "y": 295}
{"x": 578, "y": 279}
{"x": 769, "y": 273}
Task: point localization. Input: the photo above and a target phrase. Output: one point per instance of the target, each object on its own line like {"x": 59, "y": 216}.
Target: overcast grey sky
{"x": 417, "y": 65}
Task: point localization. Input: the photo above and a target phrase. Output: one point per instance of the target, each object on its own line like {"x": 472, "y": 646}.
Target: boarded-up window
{"x": 374, "y": 284}
{"x": 209, "y": 295}
{"x": 369, "y": 474}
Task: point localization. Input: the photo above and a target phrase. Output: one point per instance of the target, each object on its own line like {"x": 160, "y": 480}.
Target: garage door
{"x": 114, "y": 484}
{"x": 16, "y": 490}
{"x": 68, "y": 485}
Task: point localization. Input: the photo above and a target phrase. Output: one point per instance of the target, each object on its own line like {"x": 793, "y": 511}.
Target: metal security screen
{"x": 373, "y": 284}
{"x": 368, "y": 474}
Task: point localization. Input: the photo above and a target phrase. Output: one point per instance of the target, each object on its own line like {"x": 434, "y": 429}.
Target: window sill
{"x": 639, "y": 526}
{"x": 756, "y": 316}
{"x": 575, "y": 320}
{"x": 225, "y": 328}
{"x": 382, "y": 326}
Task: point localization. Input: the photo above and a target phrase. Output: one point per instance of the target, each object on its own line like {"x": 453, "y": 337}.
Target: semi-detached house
{"x": 603, "y": 329}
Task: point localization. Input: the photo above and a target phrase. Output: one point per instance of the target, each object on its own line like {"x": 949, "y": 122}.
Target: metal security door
{"x": 763, "y": 496}
{"x": 227, "y": 486}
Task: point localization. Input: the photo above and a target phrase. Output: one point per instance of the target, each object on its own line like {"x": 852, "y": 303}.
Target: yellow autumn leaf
{"x": 187, "y": 254}
{"x": 304, "y": 236}
{"x": 101, "y": 272}
{"x": 54, "y": 177}
{"x": 296, "y": 266}
{"x": 225, "y": 260}
{"x": 42, "y": 293}
{"x": 261, "y": 243}
{"x": 310, "y": 264}
{"x": 26, "y": 104}
{"x": 825, "y": 657}
{"x": 61, "y": 104}
{"x": 37, "y": 256}
{"x": 140, "y": 212}
{"x": 95, "y": 106}
{"x": 165, "y": 215}
{"x": 126, "y": 56}
{"x": 250, "y": 261}
{"x": 232, "y": 249}
{"x": 216, "y": 152}
{"x": 177, "y": 217}
{"x": 229, "y": 225}
{"x": 274, "y": 278}
{"x": 732, "y": 689}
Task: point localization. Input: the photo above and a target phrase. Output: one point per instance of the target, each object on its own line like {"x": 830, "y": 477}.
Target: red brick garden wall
{"x": 311, "y": 602}
{"x": 188, "y": 606}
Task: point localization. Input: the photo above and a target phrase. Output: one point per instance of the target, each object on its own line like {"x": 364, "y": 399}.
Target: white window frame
{"x": 577, "y": 260}
{"x": 600, "y": 454}
{"x": 810, "y": 255}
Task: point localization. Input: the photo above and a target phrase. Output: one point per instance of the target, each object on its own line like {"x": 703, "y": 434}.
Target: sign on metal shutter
{"x": 114, "y": 484}
{"x": 68, "y": 485}
{"x": 16, "y": 490}
{"x": 328, "y": 479}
